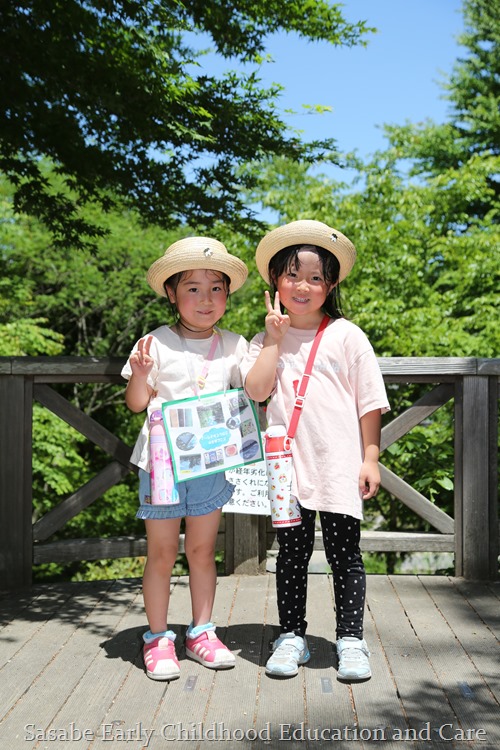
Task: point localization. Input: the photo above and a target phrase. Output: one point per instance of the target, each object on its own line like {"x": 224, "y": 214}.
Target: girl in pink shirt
{"x": 336, "y": 445}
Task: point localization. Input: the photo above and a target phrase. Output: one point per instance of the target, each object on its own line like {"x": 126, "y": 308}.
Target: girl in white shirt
{"x": 196, "y": 274}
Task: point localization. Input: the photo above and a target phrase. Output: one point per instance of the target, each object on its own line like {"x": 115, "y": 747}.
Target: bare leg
{"x": 201, "y": 534}
{"x": 163, "y": 544}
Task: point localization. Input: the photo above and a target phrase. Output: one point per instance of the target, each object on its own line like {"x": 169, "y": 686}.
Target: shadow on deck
{"x": 71, "y": 670}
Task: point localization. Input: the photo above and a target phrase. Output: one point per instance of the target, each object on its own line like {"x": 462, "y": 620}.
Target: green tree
{"x": 473, "y": 128}
{"x": 112, "y": 93}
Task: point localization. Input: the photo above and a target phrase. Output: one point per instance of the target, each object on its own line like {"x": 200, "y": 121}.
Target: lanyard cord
{"x": 198, "y": 383}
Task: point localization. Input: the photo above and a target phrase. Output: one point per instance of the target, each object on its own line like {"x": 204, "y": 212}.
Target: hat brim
{"x": 194, "y": 253}
{"x": 305, "y": 232}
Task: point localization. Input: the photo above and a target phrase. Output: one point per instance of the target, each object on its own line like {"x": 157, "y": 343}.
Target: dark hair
{"x": 173, "y": 283}
{"x": 287, "y": 258}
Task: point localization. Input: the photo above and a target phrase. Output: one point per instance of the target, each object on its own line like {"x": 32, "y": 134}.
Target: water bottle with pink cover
{"x": 163, "y": 489}
{"x": 285, "y": 510}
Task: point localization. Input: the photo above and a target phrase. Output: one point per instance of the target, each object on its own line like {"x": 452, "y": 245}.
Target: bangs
{"x": 173, "y": 281}
{"x": 288, "y": 258}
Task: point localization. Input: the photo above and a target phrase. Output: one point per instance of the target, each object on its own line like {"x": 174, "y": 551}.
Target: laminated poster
{"x": 211, "y": 433}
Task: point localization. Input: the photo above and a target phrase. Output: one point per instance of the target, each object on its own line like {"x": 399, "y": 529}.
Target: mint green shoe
{"x": 289, "y": 652}
{"x": 353, "y": 658}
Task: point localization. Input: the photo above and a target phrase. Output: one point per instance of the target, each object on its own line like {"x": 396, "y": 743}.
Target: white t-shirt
{"x": 346, "y": 383}
{"x": 177, "y": 366}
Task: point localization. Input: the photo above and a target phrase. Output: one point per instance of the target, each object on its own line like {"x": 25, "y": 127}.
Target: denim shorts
{"x": 198, "y": 497}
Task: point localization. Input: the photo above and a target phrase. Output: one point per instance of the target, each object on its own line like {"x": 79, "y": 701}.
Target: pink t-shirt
{"x": 346, "y": 383}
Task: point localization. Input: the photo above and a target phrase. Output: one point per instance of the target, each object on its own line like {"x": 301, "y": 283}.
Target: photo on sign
{"x": 213, "y": 459}
{"x": 191, "y": 464}
{"x": 186, "y": 441}
{"x": 247, "y": 427}
{"x": 181, "y": 418}
{"x": 211, "y": 415}
{"x": 238, "y": 404}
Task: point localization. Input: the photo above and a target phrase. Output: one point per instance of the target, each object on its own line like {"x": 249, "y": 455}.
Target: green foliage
{"x": 115, "y": 96}
{"x": 58, "y": 466}
{"x": 473, "y": 129}
{"x": 375, "y": 564}
{"x": 29, "y": 336}
{"x": 99, "y": 302}
{"x": 427, "y": 447}
{"x": 102, "y": 570}
{"x": 92, "y": 570}
{"x": 421, "y": 266}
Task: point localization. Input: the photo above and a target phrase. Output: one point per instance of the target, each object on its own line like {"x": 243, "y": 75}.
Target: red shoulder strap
{"x": 301, "y": 391}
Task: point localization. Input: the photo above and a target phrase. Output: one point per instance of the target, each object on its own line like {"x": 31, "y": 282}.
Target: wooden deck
{"x": 71, "y": 672}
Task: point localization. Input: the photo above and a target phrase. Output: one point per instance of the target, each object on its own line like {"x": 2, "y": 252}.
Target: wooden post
{"x": 476, "y": 475}
{"x": 228, "y": 519}
{"x": 245, "y": 544}
{"x": 16, "y": 548}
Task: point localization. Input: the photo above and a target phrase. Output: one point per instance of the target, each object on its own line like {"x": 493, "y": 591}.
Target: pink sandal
{"x": 208, "y": 650}
{"x": 161, "y": 660}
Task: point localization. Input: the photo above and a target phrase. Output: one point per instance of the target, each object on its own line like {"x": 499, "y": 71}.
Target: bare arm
{"x": 260, "y": 380}
{"x": 138, "y": 392}
{"x": 369, "y": 476}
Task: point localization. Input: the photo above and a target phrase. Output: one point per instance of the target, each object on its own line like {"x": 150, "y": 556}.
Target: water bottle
{"x": 285, "y": 510}
{"x": 163, "y": 489}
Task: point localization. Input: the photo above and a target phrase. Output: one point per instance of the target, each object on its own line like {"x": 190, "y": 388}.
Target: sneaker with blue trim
{"x": 289, "y": 652}
{"x": 353, "y": 656}
{"x": 208, "y": 650}
{"x": 160, "y": 658}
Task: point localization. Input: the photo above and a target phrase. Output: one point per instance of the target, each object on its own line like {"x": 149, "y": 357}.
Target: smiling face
{"x": 200, "y": 298}
{"x": 303, "y": 289}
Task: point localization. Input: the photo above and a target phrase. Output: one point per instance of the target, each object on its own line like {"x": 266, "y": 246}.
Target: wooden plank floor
{"x": 71, "y": 671}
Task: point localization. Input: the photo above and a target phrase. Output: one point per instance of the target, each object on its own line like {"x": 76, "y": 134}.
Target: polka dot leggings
{"x": 341, "y": 535}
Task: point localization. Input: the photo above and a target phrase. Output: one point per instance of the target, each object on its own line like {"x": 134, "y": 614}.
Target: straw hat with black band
{"x": 192, "y": 253}
{"x": 305, "y": 232}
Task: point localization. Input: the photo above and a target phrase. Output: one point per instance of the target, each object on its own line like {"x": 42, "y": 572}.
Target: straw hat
{"x": 305, "y": 232}
{"x": 192, "y": 253}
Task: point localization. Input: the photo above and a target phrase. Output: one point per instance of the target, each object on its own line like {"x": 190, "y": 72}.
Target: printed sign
{"x": 250, "y": 494}
{"x": 211, "y": 433}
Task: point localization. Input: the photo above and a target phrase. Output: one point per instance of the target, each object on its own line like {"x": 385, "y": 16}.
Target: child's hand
{"x": 140, "y": 361}
{"x": 276, "y": 323}
{"x": 369, "y": 479}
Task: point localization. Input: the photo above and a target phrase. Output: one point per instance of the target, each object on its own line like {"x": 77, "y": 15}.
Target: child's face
{"x": 200, "y": 298}
{"x": 303, "y": 289}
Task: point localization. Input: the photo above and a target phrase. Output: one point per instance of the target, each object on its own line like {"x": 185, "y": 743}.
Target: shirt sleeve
{"x": 126, "y": 369}
{"x": 240, "y": 354}
{"x": 254, "y": 349}
{"x": 368, "y": 384}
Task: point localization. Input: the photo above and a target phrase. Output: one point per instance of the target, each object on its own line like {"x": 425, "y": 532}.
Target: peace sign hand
{"x": 276, "y": 323}
{"x": 140, "y": 361}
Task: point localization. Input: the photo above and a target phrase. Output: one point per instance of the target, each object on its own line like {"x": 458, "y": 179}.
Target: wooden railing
{"x": 472, "y": 535}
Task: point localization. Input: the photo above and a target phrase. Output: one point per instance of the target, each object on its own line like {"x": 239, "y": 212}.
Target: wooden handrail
{"x": 472, "y": 534}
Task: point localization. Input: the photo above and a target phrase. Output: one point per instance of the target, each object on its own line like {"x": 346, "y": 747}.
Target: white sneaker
{"x": 289, "y": 651}
{"x": 353, "y": 658}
